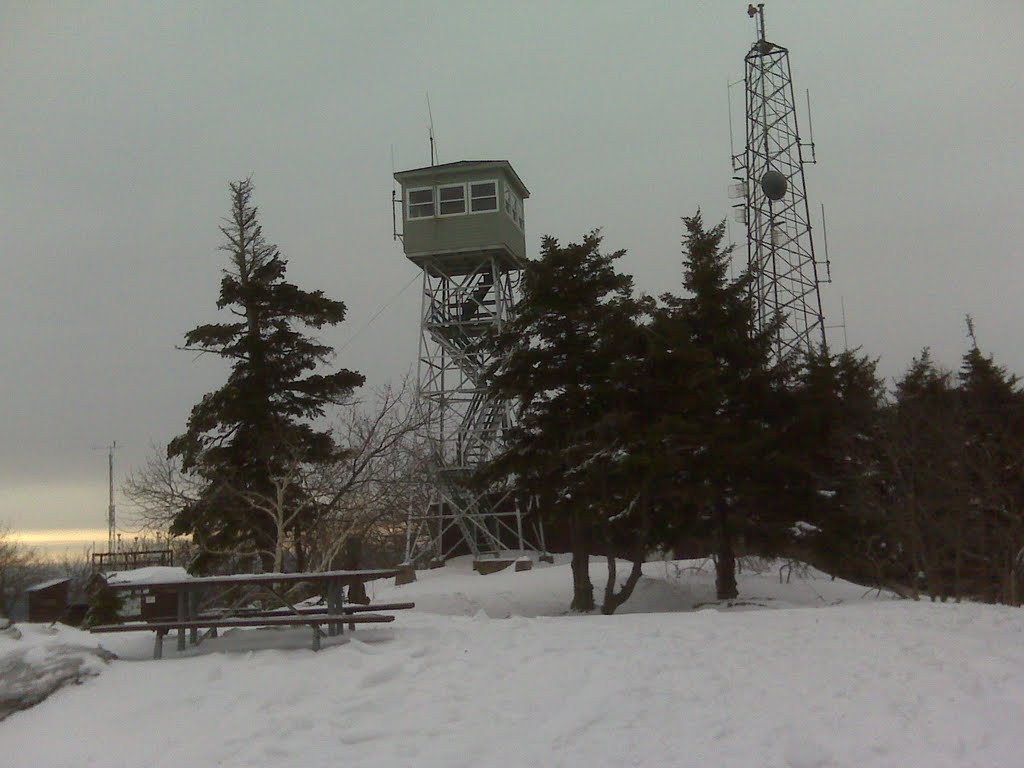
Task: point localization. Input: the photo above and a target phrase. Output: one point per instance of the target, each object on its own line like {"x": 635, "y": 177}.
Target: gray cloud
{"x": 125, "y": 121}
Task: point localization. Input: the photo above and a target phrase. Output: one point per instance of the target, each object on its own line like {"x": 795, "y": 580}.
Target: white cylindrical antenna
{"x": 824, "y": 239}
{"x": 810, "y": 126}
{"x": 842, "y": 305}
{"x": 728, "y": 99}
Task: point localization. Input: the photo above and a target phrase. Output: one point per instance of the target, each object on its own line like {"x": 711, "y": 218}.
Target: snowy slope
{"x": 831, "y": 677}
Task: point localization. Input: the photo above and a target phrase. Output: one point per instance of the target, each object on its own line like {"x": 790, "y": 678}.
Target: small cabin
{"x": 48, "y": 601}
{"x": 455, "y": 212}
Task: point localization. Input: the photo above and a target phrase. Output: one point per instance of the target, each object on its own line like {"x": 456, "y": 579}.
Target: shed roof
{"x": 466, "y": 165}
{"x": 47, "y": 584}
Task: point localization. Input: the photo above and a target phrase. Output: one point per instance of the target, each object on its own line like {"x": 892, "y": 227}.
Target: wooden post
{"x": 181, "y": 619}
{"x": 332, "y": 605}
{"x": 158, "y": 645}
{"x": 193, "y": 611}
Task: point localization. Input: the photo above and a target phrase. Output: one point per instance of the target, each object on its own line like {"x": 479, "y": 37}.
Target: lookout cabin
{"x": 455, "y": 212}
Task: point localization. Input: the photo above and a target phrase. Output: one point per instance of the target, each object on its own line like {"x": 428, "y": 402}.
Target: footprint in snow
{"x": 383, "y": 675}
{"x": 802, "y": 753}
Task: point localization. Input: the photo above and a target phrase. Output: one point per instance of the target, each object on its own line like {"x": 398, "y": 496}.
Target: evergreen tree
{"x": 840, "y": 407}
{"x": 928, "y": 486}
{"x": 555, "y": 359}
{"x": 992, "y": 404}
{"x": 104, "y": 603}
{"x": 739, "y": 474}
{"x": 242, "y": 436}
{"x": 653, "y": 389}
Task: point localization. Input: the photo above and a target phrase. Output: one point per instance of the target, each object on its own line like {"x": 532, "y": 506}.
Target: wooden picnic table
{"x": 194, "y": 609}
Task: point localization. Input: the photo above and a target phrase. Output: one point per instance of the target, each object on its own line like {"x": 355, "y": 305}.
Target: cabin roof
{"x": 46, "y": 584}
{"x": 466, "y": 165}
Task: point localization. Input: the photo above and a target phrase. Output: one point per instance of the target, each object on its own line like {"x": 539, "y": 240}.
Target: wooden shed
{"x": 48, "y": 601}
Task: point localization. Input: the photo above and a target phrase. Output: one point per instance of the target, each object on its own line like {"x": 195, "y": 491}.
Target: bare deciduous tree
{"x": 322, "y": 514}
{"x": 18, "y": 569}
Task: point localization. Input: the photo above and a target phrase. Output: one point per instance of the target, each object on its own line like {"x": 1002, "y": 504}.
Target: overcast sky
{"x": 122, "y": 125}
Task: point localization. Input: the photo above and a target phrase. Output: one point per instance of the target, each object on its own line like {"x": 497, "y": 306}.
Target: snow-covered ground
{"x": 488, "y": 671}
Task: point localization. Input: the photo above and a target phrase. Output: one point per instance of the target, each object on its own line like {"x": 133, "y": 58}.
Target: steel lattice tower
{"x": 780, "y": 245}
{"x": 464, "y": 227}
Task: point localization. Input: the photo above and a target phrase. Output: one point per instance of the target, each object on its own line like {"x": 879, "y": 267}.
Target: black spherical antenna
{"x": 774, "y": 185}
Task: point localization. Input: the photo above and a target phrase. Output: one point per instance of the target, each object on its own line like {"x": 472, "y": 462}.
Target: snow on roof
{"x": 150, "y": 575}
{"x": 47, "y": 584}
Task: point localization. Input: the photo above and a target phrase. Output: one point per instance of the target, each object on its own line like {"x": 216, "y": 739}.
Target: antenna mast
{"x": 770, "y": 176}
{"x": 111, "y": 510}
{"x": 433, "y": 145}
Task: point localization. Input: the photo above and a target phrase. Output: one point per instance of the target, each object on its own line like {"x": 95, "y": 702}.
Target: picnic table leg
{"x": 316, "y": 637}
{"x": 181, "y": 619}
{"x": 341, "y": 606}
{"x": 158, "y": 645}
{"x": 332, "y": 606}
{"x": 193, "y": 610}
{"x": 351, "y": 624}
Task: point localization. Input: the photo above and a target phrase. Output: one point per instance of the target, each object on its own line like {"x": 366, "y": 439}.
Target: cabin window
{"x": 483, "y": 196}
{"x": 421, "y": 203}
{"x": 451, "y": 200}
{"x": 514, "y": 206}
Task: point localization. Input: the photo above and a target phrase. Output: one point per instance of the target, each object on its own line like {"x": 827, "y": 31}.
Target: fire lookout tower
{"x": 463, "y": 226}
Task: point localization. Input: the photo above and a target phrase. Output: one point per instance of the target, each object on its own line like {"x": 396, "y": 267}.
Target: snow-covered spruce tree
{"x": 555, "y": 359}
{"x": 929, "y": 492}
{"x": 646, "y": 436}
{"x": 244, "y": 437}
{"x": 840, "y": 404}
{"x": 990, "y": 560}
{"x": 741, "y": 471}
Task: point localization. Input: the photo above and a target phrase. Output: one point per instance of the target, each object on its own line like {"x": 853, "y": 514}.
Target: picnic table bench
{"x": 192, "y": 616}
{"x": 345, "y": 610}
{"x": 314, "y": 621}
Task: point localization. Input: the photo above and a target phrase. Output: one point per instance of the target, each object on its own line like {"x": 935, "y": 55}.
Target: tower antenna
{"x": 759, "y": 12}
{"x": 111, "y": 510}
{"x": 780, "y": 245}
{"x": 433, "y": 144}
{"x": 395, "y": 200}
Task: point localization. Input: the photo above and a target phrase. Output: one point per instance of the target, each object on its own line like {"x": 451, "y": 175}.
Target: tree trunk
{"x": 582, "y": 587}
{"x": 725, "y": 567}
{"x": 613, "y": 600}
{"x": 300, "y": 550}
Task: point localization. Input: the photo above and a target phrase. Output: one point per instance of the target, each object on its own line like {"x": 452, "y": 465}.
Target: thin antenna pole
{"x": 111, "y": 515}
{"x": 433, "y": 146}
{"x": 111, "y": 511}
{"x": 824, "y": 238}
{"x": 728, "y": 98}
{"x": 810, "y": 126}
{"x": 394, "y": 197}
{"x": 842, "y": 304}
